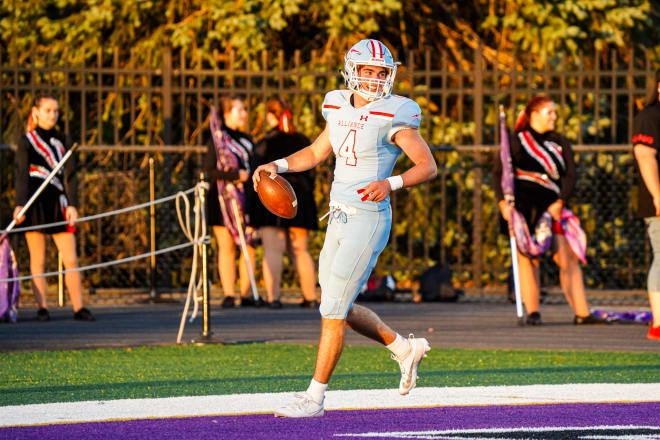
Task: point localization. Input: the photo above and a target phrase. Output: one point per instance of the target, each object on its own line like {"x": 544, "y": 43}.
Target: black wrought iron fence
{"x": 165, "y": 99}
{"x": 125, "y": 111}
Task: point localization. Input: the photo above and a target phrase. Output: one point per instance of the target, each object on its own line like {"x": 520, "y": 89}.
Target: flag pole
{"x": 246, "y": 255}
{"x": 516, "y": 278}
{"x": 253, "y": 283}
{"x": 510, "y": 199}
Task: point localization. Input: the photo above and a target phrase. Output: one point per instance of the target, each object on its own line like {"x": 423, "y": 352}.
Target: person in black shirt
{"x": 38, "y": 153}
{"x": 646, "y": 143}
{"x": 283, "y": 140}
{"x": 544, "y": 176}
{"x": 234, "y": 118}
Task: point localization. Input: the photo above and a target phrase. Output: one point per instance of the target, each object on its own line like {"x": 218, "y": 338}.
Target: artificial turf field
{"x": 242, "y": 383}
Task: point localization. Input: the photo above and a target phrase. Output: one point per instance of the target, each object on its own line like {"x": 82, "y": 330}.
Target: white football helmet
{"x": 369, "y": 53}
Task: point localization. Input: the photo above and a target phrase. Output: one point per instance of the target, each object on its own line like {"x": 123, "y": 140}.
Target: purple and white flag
{"x": 574, "y": 234}
{"x": 228, "y": 153}
{"x": 9, "y": 290}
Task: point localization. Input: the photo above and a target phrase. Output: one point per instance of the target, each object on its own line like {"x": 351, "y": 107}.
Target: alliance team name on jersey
{"x": 364, "y": 118}
{"x": 351, "y": 124}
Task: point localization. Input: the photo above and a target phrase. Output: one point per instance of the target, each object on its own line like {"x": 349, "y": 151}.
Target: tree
{"x": 502, "y": 28}
{"x": 246, "y": 26}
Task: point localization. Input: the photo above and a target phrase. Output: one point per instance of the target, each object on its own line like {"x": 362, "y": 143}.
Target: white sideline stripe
{"x": 129, "y": 409}
{"x": 526, "y": 430}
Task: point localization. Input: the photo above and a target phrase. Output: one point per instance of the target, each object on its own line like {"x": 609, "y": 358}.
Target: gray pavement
{"x": 453, "y": 325}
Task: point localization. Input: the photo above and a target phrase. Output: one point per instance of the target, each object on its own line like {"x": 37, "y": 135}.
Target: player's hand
{"x": 71, "y": 214}
{"x": 376, "y": 191}
{"x": 20, "y": 219}
{"x": 269, "y": 168}
{"x": 505, "y": 209}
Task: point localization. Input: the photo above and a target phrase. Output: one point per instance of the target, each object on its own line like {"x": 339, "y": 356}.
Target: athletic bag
{"x": 435, "y": 285}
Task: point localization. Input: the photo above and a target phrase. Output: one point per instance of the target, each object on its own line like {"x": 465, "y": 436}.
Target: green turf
{"x": 41, "y": 377}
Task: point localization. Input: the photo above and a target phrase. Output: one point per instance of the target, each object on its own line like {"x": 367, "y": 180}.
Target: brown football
{"x": 277, "y": 195}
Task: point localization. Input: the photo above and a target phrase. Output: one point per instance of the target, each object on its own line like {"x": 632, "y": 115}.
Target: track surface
{"x": 454, "y": 325}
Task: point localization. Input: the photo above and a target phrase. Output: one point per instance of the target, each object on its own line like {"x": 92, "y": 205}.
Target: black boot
{"x": 83, "y": 315}
{"x": 43, "y": 315}
{"x": 534, "y": 318}
{"x": 589, "y": 320}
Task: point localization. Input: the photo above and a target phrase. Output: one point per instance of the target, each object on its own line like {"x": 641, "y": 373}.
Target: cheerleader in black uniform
{"x": 282, "y": 140}
{"x": 39, "y": 151}
{"x": 234, "y": 118}
{"x": 544, "y": 172}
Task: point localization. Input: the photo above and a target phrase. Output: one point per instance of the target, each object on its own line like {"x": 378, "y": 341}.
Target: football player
{"x": 367, "y": 128}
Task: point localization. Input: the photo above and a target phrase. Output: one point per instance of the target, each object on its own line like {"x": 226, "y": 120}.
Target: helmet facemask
{"x": 369, "y": 53}
{"x": 369, "y": 88}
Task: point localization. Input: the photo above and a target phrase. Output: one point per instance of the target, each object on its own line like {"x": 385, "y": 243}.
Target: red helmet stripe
{"x": 376, "y": 52}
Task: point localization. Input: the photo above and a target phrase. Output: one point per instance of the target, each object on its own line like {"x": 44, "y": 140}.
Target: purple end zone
{"x": 379, "y": 423}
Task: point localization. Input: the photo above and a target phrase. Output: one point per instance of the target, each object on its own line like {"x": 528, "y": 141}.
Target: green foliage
{"x": 79, "y": 27}
{"x": 344, "y": 17}
{"x": 545, "y": 29}
{"x": 552, "y": 29}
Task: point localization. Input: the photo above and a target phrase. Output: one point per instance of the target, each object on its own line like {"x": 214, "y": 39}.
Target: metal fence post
{"x": 477, "y": 260}
{"x": 167, "y": 95}
{"x": 154, "y": 296}
{"x": 206, "y": 331}
{"x": 206, "y": 336}
{"x": 152, "y": 231}
{"x": 60, "y": 281}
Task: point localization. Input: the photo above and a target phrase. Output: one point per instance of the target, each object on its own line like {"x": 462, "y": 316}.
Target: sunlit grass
{"x": 38, "y": 377}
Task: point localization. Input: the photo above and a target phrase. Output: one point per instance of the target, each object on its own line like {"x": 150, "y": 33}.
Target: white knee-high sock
{"x": 400, "y": 347}
{"x": 317, "y": 390}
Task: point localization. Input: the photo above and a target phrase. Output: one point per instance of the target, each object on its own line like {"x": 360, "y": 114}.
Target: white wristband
{"x": 282, "y": 166}
{"x": 396, "y": 182}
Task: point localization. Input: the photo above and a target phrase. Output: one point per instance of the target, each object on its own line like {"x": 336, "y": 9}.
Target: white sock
{"x": 317, "y": 391}
{"x": 400, "y": 347}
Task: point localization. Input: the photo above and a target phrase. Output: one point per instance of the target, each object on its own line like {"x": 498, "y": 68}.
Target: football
{"x": 277, "y": 195}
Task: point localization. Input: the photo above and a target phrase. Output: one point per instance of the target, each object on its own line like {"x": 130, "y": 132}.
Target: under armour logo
{"x": 363, "y": 118}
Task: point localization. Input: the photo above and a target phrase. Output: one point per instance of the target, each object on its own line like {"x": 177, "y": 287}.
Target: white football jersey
{"x": 361, "y": 139}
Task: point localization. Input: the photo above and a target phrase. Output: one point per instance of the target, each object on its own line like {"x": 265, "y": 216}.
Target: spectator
{"x": 544, "y": 172}
{"x": 238, "y": 148}
{"x": 646, "y": 143}
{"x": 39, "y": 151}
{"x": 276, "y": 232}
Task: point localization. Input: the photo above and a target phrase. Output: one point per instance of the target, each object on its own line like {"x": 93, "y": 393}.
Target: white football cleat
{"x": 410, "y": 363}
{"x": 303, "y": 406}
